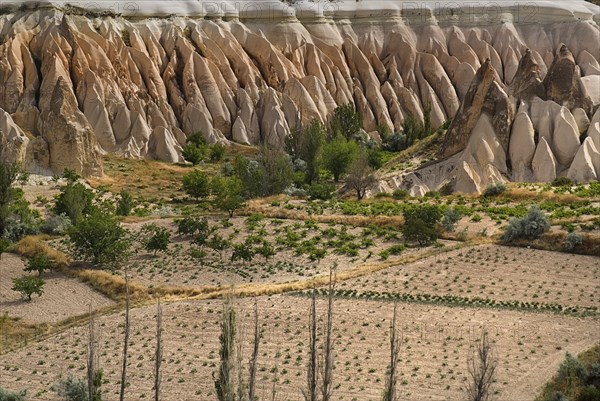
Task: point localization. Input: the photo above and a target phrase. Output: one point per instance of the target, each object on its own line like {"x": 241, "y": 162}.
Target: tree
{"x": 99, "y": 238}
{"x": 451, "y": 217}
{"x": 338, "y": 155}
{"x": 392, "y": 372}
{"x": 195, "y": 149}
{"x": 29, "y": 285}
{"x": 218, "y": 244}
{"x": 196, "y": 184}
{"x": 345, "y": 122}
{"x": 311, "y": 394}
{"x": 306, "y": 143}
{"x": 266, "y": 250}
{"x": 227, "y": 192}
{"x": 125, "y": 203}
{"x": 420, "y": 223}
{"x": 75, "y": 201}
{"x": 243, "y": 252}
{"x": 158, "y": 352}
{"x": 155, "y": 238}
{"x": 224, "y": 385}
{"x": 39, "y": 263}
{"x": 278, "y": 170}
{"x": 360, "y": 175}
{"x": 481, "y": 364}
{"x": 8, "y": 175}
{"x": 217, "y": 151}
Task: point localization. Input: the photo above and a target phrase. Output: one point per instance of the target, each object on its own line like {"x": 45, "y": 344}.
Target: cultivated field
{"x": 436, "y": 341}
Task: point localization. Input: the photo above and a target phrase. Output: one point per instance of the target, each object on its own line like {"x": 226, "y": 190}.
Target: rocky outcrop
{"x": 140, "y": 86}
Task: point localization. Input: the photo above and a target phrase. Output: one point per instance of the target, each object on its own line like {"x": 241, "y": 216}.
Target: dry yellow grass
{"x": 35, "y": 244}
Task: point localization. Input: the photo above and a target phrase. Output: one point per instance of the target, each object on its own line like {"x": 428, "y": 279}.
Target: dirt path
{"x": 531, "y": 384}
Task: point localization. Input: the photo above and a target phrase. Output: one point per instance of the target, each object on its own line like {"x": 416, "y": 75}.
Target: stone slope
{"x": 74, "y": 86}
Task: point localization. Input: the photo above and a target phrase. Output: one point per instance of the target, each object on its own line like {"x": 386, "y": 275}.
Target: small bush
{"x": 57, "y": 224}
{"x": 39, "y": 263}
{"x": 125, "y": 204}
{"x": 72, "y": 389}
{"x": 572, "y": 241}
{"x": 529, "y": 227}
{"x": 400, "y": 194}
{"x": 495, "y": 189}
{"x": 155, "y": 238}
{"x": 451, "y": 217}
{"x": 217, "y": 151}
{"x": 562, "y": 182}
{"x": 420, "y": 223}
{"x": 321, "y": 191}
{"x": 196, "y": 184}
{"x": 7, "y": 395}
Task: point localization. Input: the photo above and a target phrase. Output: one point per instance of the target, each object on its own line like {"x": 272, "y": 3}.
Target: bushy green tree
{"x": 345, "y": 122}
{"x": 125, "y": 203}
{"x": 243, "y": 251}
{"x": 29, "y": 285}
{"x": 529, "y": 227}
{"x": 277, "y": 171}
{"x": 420, "y": 223}
{"x": 306, "y": 143}
{"x": 155, "y": 238}
{"x": 217, "y": 151}
{"x": 75, "y": 201}
{"x": 251, "y": 174}
{"x": 451, "y": 217}
{"x": 338, "y": 155}
{"x": 227, "y": 192}
{"x": 192, "y": 225}
{"x": 196, "y": 184}
{"x": 39, "y": 263}
{"x": 195, "y": 149}
{"x": 99, "y": 238}
{"x": 72, "y": 389}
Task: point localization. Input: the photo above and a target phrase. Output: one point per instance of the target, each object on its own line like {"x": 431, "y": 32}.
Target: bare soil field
{"x": 494, "y": 272}
{"x": 63, "y": 296}
{"x": 435, "y": 345}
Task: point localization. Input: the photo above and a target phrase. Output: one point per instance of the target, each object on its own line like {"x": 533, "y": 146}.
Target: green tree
{"x": 39, "y": 263}
{"x": 29, "y": 285}
{"x": 196, "y": 184}
{"x": 99, "y": 238}
{"x": 338, "y": 155}
{"x": 420, "y": 223}
{"x": 306, "y": 144}
{"x": 251, "y": 174}
{"x": 243, "y": 251}
{"x": 227, "y": 193}
{"x": 125, "y": 203}
{"x": 277, "y": 171}
{"x": 266, "y": 250}
{"x": 75, "y": 201}
{"x": 345, "y": 122}
{"x": 217, "y": 151}
{"x": 218, "y": 244}
{"x": 155, "y": 238}
{"x": 360, "y": 175}
{"x": 8, "y": 175}
{"x": 195, "y": 149}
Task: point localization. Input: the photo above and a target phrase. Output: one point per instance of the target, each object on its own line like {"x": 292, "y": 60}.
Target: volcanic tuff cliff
{"x": 75, "y": 84}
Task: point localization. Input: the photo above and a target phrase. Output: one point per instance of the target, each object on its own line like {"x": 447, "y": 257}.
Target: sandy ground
{"x": 63, "y": 296}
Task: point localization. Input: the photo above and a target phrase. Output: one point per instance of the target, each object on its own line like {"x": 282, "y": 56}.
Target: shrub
{"x": 360, "y": 176}
{"x": 99, "y": 238}
{"x": 346, "y": 122}
{"x": 451, "y": 217}
{"x": 29, "y": 285}
{"x": 125, "y": 203}
{"x": 562, "y": 182}
{"x": 530, "y": 227}
{"x": 217, "y": 151}
{"x": 494, "y": 189}
{"x": 243, "y": 252}
{"x": 190, "y": 225}
{"x": 589, "y": 393}
{"x": 392, "y": 250}
{"x": 306, "y": 144}
{"x": 155, "y": 238}
{"x": 4, "y": 245}
{"x": 420, "y": 223}
{"x": 7, "y": 395}
{"x": 572, "y": 241}
{"x": 75, "y": 201}
{"x": 57, "y": 224}
{"x": 227, "y": 193}
{"x": 193, "y": 154}
{"x": 375, "y": 157}
{"x": 400, "y": 194}
{"x": 196, "y": 184}
{"x": 322, "y": 191}
{"x": 72, "y": 389}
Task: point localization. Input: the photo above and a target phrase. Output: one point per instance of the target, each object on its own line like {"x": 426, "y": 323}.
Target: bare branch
{"x": 481, "y": 364}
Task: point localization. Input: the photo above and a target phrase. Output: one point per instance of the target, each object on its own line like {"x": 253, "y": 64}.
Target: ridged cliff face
{"x": 73, "y": 86}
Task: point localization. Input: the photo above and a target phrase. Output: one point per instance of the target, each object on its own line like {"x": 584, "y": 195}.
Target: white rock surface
{"x": 544, "y": 163}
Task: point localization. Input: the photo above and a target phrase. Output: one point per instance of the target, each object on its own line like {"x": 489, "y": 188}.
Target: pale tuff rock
{"x": 13, "y": 142}
{"x": 565, "y": 137}
{"x": 585, "y": 164}
{"x": 143, "y": 85}
{"x": 522, "y": 147}
{"x": 543, "y": 163}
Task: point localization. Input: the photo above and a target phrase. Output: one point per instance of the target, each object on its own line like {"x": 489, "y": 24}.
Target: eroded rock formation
{"x": 75, "y": 85}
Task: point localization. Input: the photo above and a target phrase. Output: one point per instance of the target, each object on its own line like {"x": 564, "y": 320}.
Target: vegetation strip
{"x": 457, "y": 301}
